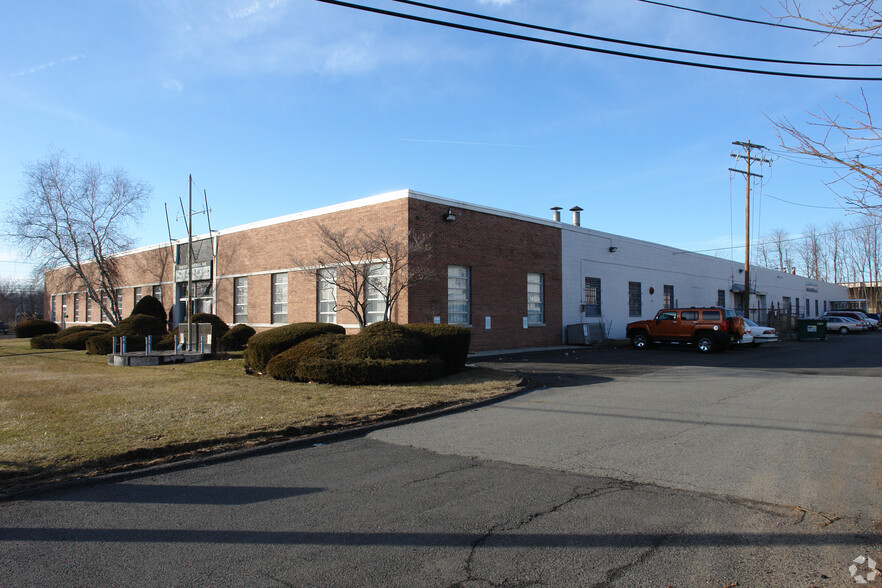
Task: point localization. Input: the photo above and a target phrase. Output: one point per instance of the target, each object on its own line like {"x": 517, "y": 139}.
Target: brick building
{"x": 516, "y": 281}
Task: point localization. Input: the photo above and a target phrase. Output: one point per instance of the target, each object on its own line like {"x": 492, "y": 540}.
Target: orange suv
{"x": 709, "y": 328}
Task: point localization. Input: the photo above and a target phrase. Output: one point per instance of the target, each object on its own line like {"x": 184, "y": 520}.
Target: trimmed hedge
{"x": 364, "y": 346}
{"x": 449, "y": 342}
{"x": 284, "y": 365}
{"x": 100, "y": 344}
{"x": 76, "y": 339}
{"x": 151, "y": 307}
{"x": 263, "y": 346}
{"x": 34, "y": 327}
{"x": 237, "y": 337}
{"x": 46, "y": 341}
{"x": 369, "y": 371}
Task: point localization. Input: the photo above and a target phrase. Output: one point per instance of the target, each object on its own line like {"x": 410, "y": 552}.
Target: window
{"x": 690, "y": 315}
{"x": 458, "y": 294}
{"x": 157, "y": 292}
{"x": 327, "y": 295}
{"x": 88, "y": 309}
{"x": 710, "y": 315}
{"x": 635, "y": 299}
{"x": 721, "y": 298}
{"x": 797, "y": 307}
{"x": 535, "y": 299}
{"x": 76, "y": 305}
{"x": 592, "y": 296}
{"x": 118, "y": 297}
{"x": 785, "y": 302}
{"x": 670, "y": 315}
{"x": 816, "y": 307}
{"x": 240, "y": 300}
{"x": 137, "y": 295}
{"x": 105, "y": 304}
{"x": 280, "y": 298}
{"x": 669, "y": 297}
{"x": 52, "y": 308}
{"x": 825, "y": 306}
{"x": 377, "y": 289}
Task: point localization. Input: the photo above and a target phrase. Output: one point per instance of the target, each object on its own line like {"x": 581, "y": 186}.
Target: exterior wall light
{"x": 613, "y": 249}
{"x": 448, "y": 216}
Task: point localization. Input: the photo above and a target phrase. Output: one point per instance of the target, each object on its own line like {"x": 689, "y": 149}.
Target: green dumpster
{"x": 811, "y": 329}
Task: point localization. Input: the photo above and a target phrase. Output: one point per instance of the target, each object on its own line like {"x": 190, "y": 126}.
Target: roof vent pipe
{"x": 576, "y": 219}
{"x": 555, "y": 213}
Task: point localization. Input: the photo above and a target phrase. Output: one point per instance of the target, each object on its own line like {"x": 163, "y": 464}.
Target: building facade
{"x": 516, "y": 281}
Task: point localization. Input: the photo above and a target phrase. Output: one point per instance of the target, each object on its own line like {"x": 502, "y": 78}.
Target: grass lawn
{"x": 66, "y": 414}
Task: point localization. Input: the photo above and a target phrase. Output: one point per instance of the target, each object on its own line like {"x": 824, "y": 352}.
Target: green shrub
{"x": 164, "y": 343}
{"x": 136, "y": 327}
{"x": 34, "y": 327}
{"x": 448, "y": 342}
{"x": 46, "y": 341}
{"x": 284, "y": 365}
{"x": 366, "y": 346}
{"x": 237, "y": 337}
{"x": 151, "y": 307}
{"x": 100, "y": 344}
{"x": 100, "y": 327}
{"x": 76, "y": 337}
{"x": 369, "y": 371}
{"x": 386, "y": 329}
{"x": 265, "y": 345}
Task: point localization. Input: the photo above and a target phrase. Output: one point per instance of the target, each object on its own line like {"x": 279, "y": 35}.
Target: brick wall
{"x": 500, "y": 252}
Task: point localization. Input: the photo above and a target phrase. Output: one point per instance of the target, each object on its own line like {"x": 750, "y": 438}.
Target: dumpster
{"x": 811, "y": 329}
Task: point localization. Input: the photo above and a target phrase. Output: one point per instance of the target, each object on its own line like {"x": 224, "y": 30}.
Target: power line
{"x": 802, "y": 238}
{"x": 628, "y": 43}
{"x": 760, "y": 22}
{"x": 593, "y": 49}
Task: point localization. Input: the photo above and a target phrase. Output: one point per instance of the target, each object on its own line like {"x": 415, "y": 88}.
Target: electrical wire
{"x": 593, "y": 49}
{"x": 761, "y": 22}
{"x": 628, "y": 43}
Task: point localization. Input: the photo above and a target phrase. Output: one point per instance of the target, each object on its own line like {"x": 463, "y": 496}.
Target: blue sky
{"x": 281, "y": 106}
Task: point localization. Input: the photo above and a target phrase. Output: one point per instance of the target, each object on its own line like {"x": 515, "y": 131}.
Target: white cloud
{"x": 173, "y": 85}
{"x": 36, "y": 68}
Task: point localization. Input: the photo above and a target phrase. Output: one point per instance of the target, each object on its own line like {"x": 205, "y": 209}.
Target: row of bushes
{"x": 381, "y": 353}
{"x": 148, "y": 318}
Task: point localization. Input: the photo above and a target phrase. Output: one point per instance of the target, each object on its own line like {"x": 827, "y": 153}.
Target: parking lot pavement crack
{"x": 617, "y": 572}
{"x": 473, "y": 464}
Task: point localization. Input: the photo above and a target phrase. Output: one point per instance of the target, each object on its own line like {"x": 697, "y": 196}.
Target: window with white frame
{"x": 240, "y": 300}
{"x": 88, "y": 309}
{"x": 376, "y": 291}
{"x": 721, "y": 298}
{"x": 76, "y": 308}
{"x": 327, "y": 295}
{"x": 118, "y": 296}
{"x": 137, "y": 295}
{"x": 280, "y": 298}
{"x": 535, "y": 298}
{"x": 157, "y": 292}
{"x": 592, "y": 296}
{"x": 458, "y": 294}
{"x": 52, "y": 308}
{"x": 669, "y": 297}
{"x": 635, "y": 299}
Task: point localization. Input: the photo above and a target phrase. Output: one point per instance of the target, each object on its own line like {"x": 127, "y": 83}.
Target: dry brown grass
{"x": 68, "y": 414}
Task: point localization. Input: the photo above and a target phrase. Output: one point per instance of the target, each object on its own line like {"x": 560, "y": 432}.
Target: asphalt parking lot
{"x": 664, "y": 467}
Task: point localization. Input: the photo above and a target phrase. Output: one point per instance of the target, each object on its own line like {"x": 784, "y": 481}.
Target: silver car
{"x": 844, "y": 324}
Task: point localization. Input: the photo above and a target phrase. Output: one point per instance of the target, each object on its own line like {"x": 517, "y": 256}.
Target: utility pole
{"x": 748, "y": 146}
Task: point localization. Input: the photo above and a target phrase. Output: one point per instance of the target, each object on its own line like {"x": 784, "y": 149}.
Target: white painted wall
{"x": 696, "y": 279}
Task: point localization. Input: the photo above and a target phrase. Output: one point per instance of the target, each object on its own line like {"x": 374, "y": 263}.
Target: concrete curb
{"x": 525, "y": 385}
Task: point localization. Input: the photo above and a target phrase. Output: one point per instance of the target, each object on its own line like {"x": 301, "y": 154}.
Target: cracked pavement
{"x": 683, "y": 475}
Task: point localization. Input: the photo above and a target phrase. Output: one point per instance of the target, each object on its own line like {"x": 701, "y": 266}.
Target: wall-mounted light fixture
{"x": 613, "y": 249}
{"x": 448, "y": 216}
{"x": 740, "y": 270}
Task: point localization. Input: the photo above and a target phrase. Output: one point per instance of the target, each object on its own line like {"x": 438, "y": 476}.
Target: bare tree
{"x": 369, "y": 266}
{"x": 20, "y": 299}
{"x": 851, "y": 143}
{"x": 73, "y": 218}
{"x": 781, "y": 249}
{"x": 811, "y": 251}
{"x": 844, "y": 16}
